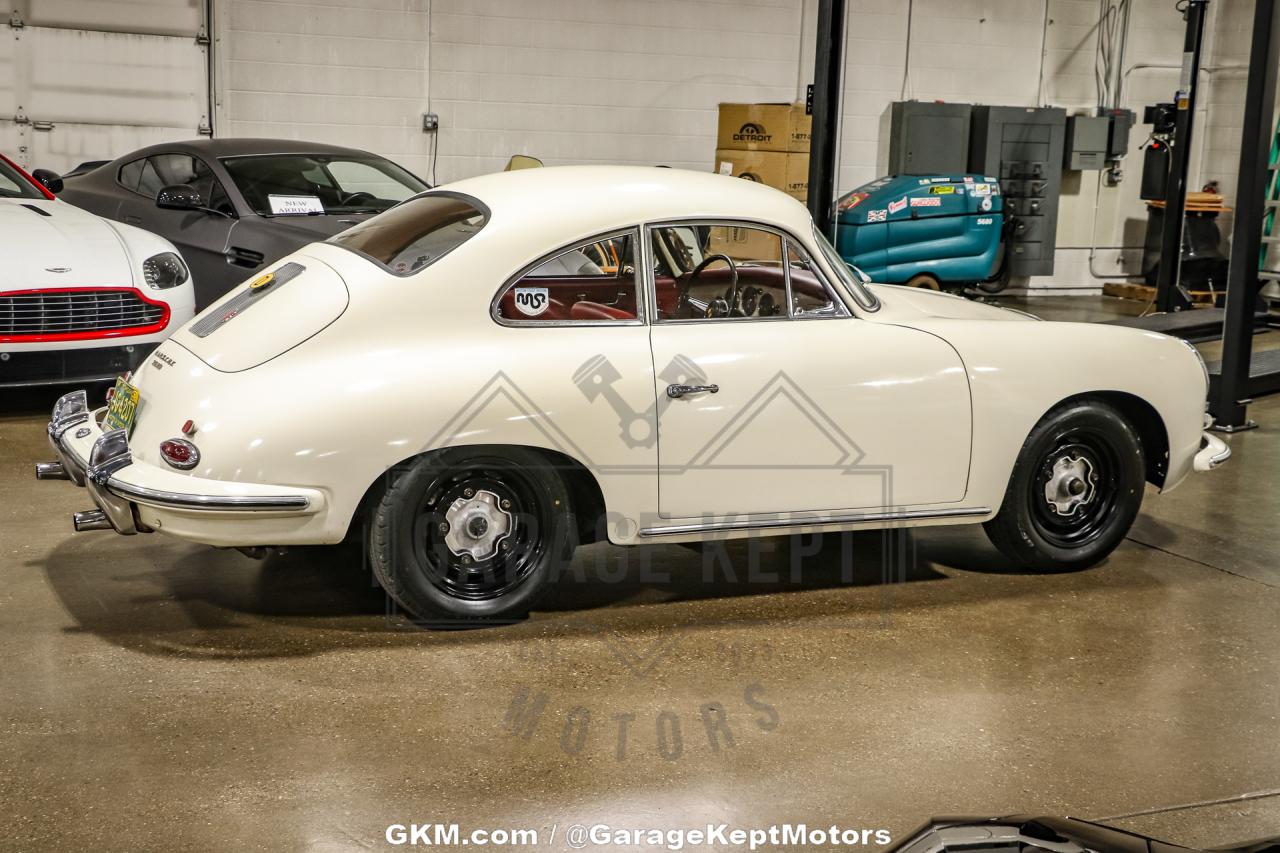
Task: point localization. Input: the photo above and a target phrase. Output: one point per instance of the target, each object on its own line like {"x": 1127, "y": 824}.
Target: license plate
{"x": 123, "y": 407}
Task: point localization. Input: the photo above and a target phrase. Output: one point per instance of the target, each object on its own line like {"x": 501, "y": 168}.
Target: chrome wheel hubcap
{"x": 1072, "y": 485}
{"x": 477, "y": 525}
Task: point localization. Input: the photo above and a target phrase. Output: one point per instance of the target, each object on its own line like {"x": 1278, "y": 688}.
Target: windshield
{"x": 314, "y": 184}
{"x": 14, "y": 185}
{"x": 418, "y": 232}
{"x": 846, "y": 274}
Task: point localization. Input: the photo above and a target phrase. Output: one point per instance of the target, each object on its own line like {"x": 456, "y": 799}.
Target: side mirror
{"x": 179, "y": 197}
{"x": 51, "y": 180}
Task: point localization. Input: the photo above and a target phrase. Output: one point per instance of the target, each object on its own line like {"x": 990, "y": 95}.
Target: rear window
{"x": 418, "y": 232}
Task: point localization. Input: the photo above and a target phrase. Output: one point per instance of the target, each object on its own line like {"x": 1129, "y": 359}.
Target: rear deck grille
{"x": 63, "y": 314}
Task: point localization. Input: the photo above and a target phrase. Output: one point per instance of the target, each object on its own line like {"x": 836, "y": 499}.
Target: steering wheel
{"x": 731, "y": 294}
{"x": 359, "y": 197}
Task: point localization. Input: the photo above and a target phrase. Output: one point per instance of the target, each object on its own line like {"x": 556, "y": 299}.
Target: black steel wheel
{"x": 471, "y": 534}
{"x": 1075, "y": 489}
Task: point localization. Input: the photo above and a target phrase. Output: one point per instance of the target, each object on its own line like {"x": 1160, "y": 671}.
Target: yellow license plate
{"x": 123, "y": 408}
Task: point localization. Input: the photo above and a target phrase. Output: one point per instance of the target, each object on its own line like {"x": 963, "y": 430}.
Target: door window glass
{"x": 589, "y": 283}
{"x": 718, "y": 271}
{"x": 810, "y": 296}
{"x": 166, "y": 170}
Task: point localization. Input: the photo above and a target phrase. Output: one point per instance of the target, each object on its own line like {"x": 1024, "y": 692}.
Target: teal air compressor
{"x": 936, "y": 231}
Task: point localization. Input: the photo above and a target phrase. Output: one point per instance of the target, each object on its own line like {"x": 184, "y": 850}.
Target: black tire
{"x": 1075, "y": 530}
{"x": 1000, "y": 280}
{"x": 441, "y": 586}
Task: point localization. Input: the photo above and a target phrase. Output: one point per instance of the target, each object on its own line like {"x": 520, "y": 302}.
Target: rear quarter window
{"x": 416, "y": 233}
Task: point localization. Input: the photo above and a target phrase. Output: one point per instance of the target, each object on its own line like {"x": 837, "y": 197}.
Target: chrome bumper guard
{"x": 1213, "y": 452}
{"x": 116, "y": 498}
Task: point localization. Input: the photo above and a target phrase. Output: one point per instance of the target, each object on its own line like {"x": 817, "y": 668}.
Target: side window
{"x": 810, "y": 296}
{"x": 151, "y": 183}
{"x": 717, "y": 271}
{"x": 165, "y": 170}
{"x": 593, "y": 282}
{"x": 130, "y": 173}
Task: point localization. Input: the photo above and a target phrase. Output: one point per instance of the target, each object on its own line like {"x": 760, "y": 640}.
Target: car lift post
{"x": 1169, "y": 293}
{"x": 828, "y": 63}
{"x": 1227, "y": 397}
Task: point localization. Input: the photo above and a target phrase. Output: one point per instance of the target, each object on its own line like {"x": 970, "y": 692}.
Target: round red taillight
{"x": 179, "y": 453}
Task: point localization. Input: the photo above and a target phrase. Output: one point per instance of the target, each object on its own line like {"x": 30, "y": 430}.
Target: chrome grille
{"x": 72, "y": 312}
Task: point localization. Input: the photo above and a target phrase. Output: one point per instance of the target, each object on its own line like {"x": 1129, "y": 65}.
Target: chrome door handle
{"x": 675, "y": 391}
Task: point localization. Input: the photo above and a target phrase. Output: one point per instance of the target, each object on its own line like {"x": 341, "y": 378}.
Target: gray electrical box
{"x": 1120, "y": 121}
{"x": 1086, "y": 142}
{"x": 928, "y": 138}
{"x": 1022, "y": 148}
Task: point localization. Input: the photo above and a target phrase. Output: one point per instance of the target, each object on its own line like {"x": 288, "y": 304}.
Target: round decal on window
{"x": 532, "y": 301}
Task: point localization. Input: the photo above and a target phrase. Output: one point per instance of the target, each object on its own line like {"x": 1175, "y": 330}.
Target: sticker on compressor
{"x": 259, "y": 288}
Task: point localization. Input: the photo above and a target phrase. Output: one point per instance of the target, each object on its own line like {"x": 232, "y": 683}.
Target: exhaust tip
{"x": 94, "y": 519}
{"x": 51, "y": 471}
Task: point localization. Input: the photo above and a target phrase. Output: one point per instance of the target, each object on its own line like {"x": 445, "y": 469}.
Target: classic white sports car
{"x": 81, "y": 298}
{"x": 490, "y": 373}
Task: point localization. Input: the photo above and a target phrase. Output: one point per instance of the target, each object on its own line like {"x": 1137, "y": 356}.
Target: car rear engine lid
{"x": 268, "y": 315}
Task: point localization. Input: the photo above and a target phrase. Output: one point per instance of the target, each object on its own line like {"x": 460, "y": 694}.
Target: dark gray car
{"x": 232, "y": 206}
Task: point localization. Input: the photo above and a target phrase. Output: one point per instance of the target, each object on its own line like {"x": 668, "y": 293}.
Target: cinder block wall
{"x": 587, "y": 81}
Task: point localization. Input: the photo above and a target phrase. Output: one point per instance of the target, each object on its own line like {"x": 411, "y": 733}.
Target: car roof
{"x": 586, "y": 200}
{"x": 241, "y": 146}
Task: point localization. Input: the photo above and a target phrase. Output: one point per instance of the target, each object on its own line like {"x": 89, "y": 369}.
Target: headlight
{"x": 164, "y": 271}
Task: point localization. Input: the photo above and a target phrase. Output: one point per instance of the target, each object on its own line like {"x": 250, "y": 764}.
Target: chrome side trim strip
{"x": 227, "y": 503}
{"x": 810, "y": 521}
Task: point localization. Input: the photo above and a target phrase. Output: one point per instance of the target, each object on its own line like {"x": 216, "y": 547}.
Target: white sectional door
{"x": 94, "y": 80}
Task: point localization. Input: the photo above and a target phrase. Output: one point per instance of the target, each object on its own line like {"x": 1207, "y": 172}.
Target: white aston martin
{"x": 492, "y": 372}
{"x": 81, "y": 298}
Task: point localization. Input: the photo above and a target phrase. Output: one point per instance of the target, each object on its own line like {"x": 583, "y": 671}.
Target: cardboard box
{"x": 786, "y": 172}
{"x": 764, "y": 127}
{"x": 745, "y": 244}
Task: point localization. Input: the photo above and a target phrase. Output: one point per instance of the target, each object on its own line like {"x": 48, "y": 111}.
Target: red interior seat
{"x": 584, "y": 310}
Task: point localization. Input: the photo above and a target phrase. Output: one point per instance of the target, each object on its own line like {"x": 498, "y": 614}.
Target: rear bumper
{"x": 136, "y": 496}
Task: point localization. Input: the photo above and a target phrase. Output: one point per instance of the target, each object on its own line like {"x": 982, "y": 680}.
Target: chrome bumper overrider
{"x": 109, "y": 460}
{"x": 1213, "y": 452}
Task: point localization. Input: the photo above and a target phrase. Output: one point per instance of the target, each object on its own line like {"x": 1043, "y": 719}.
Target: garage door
{"x": 94, "y": 80}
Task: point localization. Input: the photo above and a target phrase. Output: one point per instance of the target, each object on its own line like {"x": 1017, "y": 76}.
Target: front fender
{"x": 1018, "y": 372}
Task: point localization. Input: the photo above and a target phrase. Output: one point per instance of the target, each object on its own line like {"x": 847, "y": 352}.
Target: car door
{"x": 200, "y": 236}
{"x": 773, "y": 397}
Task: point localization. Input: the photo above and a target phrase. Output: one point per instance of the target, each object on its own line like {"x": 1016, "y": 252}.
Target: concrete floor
{"x": 162, "y": 696}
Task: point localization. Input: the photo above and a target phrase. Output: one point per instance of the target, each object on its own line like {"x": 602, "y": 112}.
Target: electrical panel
{"x": 1022, "y": 147}
{"x": 1086, "y": 142}
{"x": 928, "y": 138}
{"x": 1121, "y": 120}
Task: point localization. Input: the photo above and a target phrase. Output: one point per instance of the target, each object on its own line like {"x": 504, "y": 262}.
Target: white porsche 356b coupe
{"x": 493, "y": 372}
{"x": 81, "y": 298}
